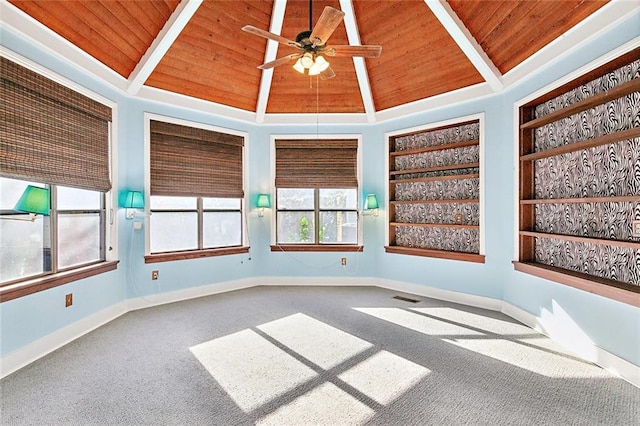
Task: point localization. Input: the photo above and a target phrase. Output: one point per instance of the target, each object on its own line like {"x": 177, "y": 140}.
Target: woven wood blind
{"x": 317, "y": 163}
{"x": 187, "y": 161}
{"x": 50, "y": 133}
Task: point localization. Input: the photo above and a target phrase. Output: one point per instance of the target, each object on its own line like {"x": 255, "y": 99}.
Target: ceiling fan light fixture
{"x": 307, "y": 60}
{"x": 319, "y": 65}
{"x": 298, "y": 66}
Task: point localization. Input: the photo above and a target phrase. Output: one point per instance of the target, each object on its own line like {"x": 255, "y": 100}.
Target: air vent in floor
{"x": 406, "y": 299}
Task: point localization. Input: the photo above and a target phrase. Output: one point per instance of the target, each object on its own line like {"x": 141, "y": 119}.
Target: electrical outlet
{"x": 68, "y": 300}
{"x": 155, "y": 275}
{"x": 635, "y": 228}
{"x": 344, "y": 261}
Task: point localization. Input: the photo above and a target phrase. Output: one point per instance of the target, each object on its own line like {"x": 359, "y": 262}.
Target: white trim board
{"x": 41, "y": 347}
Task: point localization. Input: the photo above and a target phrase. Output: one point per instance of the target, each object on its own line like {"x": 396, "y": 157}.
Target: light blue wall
{"x": 29, "y": 318}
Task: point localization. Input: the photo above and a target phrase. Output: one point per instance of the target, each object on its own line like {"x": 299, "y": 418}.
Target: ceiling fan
{"x": 312, "y": 45}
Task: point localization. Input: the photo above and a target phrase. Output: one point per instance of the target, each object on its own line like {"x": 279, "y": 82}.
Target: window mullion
{"x": 50, "y": 250}
{"x": 316, "y": 212}
{"x": 200, "y": 204}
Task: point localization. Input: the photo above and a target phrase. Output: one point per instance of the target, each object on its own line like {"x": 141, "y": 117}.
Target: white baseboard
{"x": 41, "y": 347}
{"x": 583, "y": 348}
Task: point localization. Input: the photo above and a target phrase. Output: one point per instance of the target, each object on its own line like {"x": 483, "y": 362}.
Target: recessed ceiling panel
{"x": 292, "y": 92}
{"x": 419, "y": 58}
{"x": 213, "y": 59}
{"x": 115, "y": 32}
{"x": 511, "y": 31}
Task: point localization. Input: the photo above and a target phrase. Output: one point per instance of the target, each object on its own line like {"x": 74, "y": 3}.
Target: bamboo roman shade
{"x": 192, "y": 162}
{"x": 50, "y": 133}
{"x": 317, "y": 163}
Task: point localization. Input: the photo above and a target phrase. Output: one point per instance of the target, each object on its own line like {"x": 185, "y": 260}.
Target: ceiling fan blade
{"x": 327, "y": 74}
{"x": 326, "y": 25}
{"x": 369, "y": 51}
{"x": 271, "y": 36}
{"x": 280, "y": 61}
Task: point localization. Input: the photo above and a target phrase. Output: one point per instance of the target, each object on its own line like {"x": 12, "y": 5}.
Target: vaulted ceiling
{"x": 196, "y": 48}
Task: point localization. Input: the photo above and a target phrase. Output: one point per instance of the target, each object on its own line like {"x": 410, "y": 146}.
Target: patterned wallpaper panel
{"x": 614, "y": 116}
{"x": 451, "y": 239}
{"x": 599, "y": 220}
{"x": 429, "y": 138}
{"x": 611, "y": 170}
{"x": 438, "y": 190}
{"x": 447, "y": 157}
{"x": 598, "y": 85}
{"x": 616, "y": 263}
{"x": 453, "y": 172}
{"x": 438, "y": 213}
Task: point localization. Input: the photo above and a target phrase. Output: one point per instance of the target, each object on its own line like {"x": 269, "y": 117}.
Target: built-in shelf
{"x": 411, "y": 227}
{"x": 530, "y": 178}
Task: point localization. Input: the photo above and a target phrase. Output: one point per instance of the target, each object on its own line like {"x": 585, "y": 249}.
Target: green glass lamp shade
{"x": 34, "y": 200}
{"x": 133, "y": 200}
{"x": 371, "y": 202}
{"x": 263, "y": 201}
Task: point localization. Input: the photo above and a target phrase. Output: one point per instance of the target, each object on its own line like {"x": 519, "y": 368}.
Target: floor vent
{"x": 406, "y": 299}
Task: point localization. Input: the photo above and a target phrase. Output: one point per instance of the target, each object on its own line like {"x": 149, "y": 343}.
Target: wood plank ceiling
{"x": 213, "y": 60}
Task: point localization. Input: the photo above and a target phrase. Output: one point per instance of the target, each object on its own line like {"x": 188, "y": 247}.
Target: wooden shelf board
{"x": 616, "y": 199}
{"x": 578, "y": 146}
{"x": 443, "y": 147}
{"x": 622, "y": 292}
{"x": 436, "y": 178}
{"x": 435, "y": 169}
{"x": 436, "y": 225}
{"x": 615, "y": 93}
{"x": 590, "y": 240}
{"x": 440, "y": 254}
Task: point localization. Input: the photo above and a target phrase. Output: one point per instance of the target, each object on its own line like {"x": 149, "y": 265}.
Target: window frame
{"x": 30, "y": 285}
{"x": 199, "y": 252}
{"x": 317, "y": 247}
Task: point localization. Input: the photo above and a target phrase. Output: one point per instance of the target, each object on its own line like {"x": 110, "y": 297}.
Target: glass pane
{"x": 295, "y": 227}
{"x": 173, "y": 231}
{"x": 295, "y": 199}
{"x": 339, "y": 199}
{"x": 221, "y": 203}
{"x": 78, "y": 199}
{"x": 11, "y": 190}
{"x": 173, "y": 203}
{"x": 21, "y": 253}
{"x": 78, "y": 239}
{"x": 222, "y": 229}
{"x": 339, "y": 227}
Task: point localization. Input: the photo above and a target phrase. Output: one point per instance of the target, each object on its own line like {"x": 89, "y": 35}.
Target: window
{"x": 317, "y": 194}
{"x": 70, "y": 237}
{"x": 197, "y": 196}
{"x": 58, "y": 139}
{"x": 579, "y": 188}
{"x": 434, "y": 192}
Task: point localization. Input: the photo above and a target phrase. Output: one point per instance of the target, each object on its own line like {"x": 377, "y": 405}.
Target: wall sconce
{"x": 263, "y": 202}
{"x": 133, "y": 200}
{"x": 371, "y": 203}
{"x": 34, "y": 200}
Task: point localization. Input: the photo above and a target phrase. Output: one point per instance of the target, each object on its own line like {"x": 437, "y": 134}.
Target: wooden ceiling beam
{"x": 361, "y": 70}
{"x": 277, "y": 17}
{"x": 161, "y": 44}
{"x": 467, "y": 43}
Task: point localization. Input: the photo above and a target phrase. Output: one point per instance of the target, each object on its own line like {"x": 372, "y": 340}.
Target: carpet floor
{"x": 315, "y": 356}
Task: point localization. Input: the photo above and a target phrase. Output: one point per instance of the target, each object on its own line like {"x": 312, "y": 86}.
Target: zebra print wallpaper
{"x": 611, "y": 170}
{"x": 466, "y": 240}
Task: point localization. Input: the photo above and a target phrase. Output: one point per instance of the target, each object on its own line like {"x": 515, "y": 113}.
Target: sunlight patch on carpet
{"x": 252, "y": 370}
{"x": 325, "y": 405}
{"x": 486, "y": 323}
{"x": 384, "y": 376}
{"x": 416, "y": 322}
{"x": 320, "y": 343}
